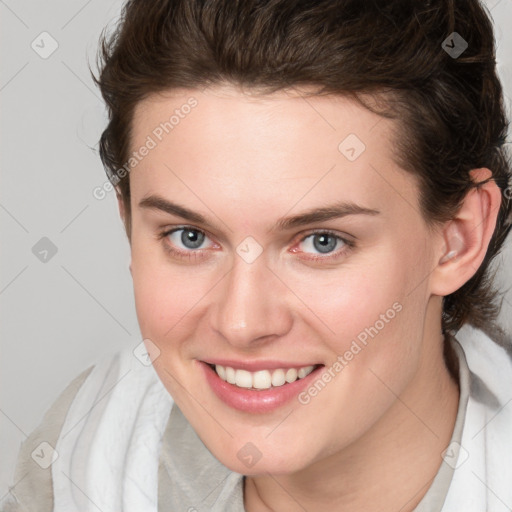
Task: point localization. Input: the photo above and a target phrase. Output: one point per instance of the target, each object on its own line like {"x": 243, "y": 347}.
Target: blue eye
{"x": 190, "y": 238}
{"x": 186, "y": 242}
{"x": 324, "y": 246}
{"x": 323, "y": 242}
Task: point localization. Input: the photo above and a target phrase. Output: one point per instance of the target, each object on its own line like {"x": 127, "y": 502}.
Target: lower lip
{"x": 256, "y": 401}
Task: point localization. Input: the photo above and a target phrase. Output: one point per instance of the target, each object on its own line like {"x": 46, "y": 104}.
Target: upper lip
{"x": 254, "y": 366}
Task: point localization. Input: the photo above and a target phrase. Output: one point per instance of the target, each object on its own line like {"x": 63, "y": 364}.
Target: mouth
{"x": 261, "y": 391}
{"x": 262, "y": 379}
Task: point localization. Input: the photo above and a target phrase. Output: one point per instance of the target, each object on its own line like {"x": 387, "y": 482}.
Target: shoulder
{"x": 118, "y": 396}
{"x": 489, "y": 359}
{"x": 31, "y": 478}
{"x": 482, "y": 458}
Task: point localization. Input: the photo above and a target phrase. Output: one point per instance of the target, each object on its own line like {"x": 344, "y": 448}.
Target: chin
{"x": 250, "y": 461}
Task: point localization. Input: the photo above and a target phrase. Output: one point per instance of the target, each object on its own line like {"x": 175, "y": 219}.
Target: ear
{"x": 464, "y": 240}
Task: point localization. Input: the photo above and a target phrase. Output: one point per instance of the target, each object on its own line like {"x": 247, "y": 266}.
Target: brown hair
{"x": 450, "y": 108}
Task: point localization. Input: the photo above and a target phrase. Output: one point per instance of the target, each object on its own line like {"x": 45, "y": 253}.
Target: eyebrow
{"x": 334, "y": 211}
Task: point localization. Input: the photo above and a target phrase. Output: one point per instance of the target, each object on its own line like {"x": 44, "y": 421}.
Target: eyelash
{"x": 194, "y": 254}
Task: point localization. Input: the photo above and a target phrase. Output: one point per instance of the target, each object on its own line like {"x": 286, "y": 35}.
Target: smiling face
{"x": 231, "y": 265}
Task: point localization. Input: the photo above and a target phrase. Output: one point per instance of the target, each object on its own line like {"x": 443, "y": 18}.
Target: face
{"x": 272, "y": 234}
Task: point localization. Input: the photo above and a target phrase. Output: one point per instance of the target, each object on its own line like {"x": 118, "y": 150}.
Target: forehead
{"x": 250, "y": 115}
{"x": 264, "y": 146}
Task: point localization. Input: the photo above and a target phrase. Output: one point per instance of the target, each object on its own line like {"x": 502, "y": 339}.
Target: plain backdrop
{"x": 64, "y": 309}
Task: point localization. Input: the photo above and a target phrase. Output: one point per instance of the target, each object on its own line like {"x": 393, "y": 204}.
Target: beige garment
{"x": 32, "y": 490}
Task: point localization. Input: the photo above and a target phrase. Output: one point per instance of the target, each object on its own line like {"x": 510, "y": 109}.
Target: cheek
{"x": 356, "y": 299}
{"x": 167, "y": 296}
{"x": 370, "y": 315}
{"x": 378, "y": 316}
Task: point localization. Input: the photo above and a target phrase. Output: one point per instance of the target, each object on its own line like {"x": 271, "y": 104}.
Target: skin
{"x": 373, "y": 437}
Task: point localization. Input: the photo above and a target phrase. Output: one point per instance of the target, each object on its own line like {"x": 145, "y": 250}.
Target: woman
{"x": 313, "y": 194}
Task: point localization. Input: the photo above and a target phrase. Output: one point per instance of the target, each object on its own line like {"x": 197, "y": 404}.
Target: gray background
{"x": 60, "y": 316}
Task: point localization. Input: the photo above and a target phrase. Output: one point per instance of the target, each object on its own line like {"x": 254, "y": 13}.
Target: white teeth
{"x": 262, "y": 379}
{"x": 230, "y": 375}
{"x": 243, "y": 379}
{"x": 303, "y": 372}
{"x": 221, "y": 371}
{"x": 291, "y": 375}
{"x": 278, "y": 378}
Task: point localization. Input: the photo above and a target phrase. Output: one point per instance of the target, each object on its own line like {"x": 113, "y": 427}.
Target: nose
{"x": 251, "y": 305}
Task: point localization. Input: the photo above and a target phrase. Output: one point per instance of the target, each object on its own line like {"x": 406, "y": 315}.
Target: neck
{"x": 391, "y": 466}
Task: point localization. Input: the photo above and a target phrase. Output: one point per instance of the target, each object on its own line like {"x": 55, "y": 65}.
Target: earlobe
{"x": 466, "y": 237}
